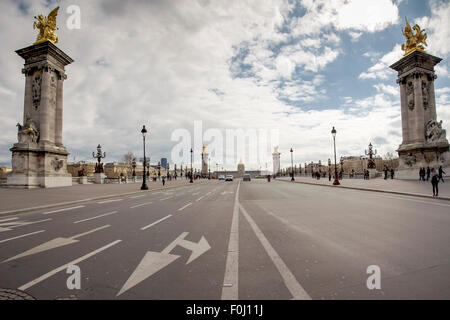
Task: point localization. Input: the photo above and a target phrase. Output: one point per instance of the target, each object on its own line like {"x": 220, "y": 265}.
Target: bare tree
{"x": 128, "y": 158}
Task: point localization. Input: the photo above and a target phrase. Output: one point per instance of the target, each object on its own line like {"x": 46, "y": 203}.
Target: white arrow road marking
{"x": 150, "y": 264}
{"x": 63, "y": 267}
{"x": 9, "y": 225}
{"x": 53, "y": 244}
{"x": 230, "y": 282}
{"x": 108, "y": 201}
{"x": 24, "y": 235}
{"x": 156, "y": 222}
{"x": 99, "y": 216}
{"x": 155, "y": 261}
{"x": 62, "y": 210}
{"x": 184, "y": 207}
{"x": 140, "y": 205}
{"x": 297, "y": 291}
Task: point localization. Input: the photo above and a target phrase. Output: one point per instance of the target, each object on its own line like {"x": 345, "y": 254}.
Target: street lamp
{"x": 144, "y": 177}
{"x": 336, "y": 180}
{"x": 292, "y": 164}
{"x": 192, "y": 154}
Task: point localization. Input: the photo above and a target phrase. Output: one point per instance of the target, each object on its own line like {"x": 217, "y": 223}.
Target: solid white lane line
{"x": 62, "y": 210}
{"x": 184, "y": 207}
{"x": 195, "y": 193}
{"x": 140, "y": 196}
{"x": 108, "y": 201}
{"x": 166, "y": 198}
{"x": 63, "y": 267}
{"x": 99, "y": 216}
{"x": 200, "y": 198}
{"x": 24, "y": 235}
{"x": 140, "y": 205}
{"x": 156, "y": 222}
{"x": 230, "y": 282}
{"x": 294, "y": 287}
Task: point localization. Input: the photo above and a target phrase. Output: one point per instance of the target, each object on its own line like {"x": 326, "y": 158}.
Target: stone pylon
{"x": 205, "y": 157}
{"x": 424, "y": 141}
{"x": 39, "y": 158}
{"x": 276, "y": 161}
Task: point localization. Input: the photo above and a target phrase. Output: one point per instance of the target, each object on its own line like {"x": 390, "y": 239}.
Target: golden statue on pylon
{"x": 414, "y": 41}
{"x": 47, "y": 27}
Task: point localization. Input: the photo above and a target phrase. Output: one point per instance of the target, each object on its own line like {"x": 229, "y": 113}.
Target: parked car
{"x": 229, "y": 178}
{"x": 221, "y": 177}
{"x": 246, "y": 177}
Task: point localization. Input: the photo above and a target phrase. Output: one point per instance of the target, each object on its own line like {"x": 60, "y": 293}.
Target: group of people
{"x": 388, "y": 171}
{"x": 435, "y": 175}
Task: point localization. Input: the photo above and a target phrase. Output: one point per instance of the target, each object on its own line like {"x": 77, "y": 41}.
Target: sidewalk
{"x": 21, "y": 200}
{"x": 406, "y": 187}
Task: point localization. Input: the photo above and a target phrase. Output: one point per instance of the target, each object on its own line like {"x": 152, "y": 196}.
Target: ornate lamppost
{"x": 292, "y": 164}
{"x": 159, "y": 170}
{"x": 336, "y": 180}
{"x": 370, "y": 153}
{"x": 144, "y": 177}
{"x": 99, "y": 156}
{"x": 192, "y": 173}
{"x": 209, "y": 168}
{"x": 133, "y": 165}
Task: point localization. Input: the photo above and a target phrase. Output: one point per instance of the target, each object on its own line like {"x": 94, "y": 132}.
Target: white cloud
{"x": 381, "y": 69}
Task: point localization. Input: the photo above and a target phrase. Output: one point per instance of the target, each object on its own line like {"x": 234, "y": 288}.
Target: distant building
{"x": 164, "y": 163}
{"x": 241, "y": 168}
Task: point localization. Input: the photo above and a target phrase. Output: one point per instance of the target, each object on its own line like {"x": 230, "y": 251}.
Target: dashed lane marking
{"x": 108, "y": 201}
{"x": 24, "y": 235}
{"x": 99, "y": 216}
{"x": 62, "y": 210}
{"x": 156, "y": 222}
{"x": 184, "y": 207}
{"x": 141, "y": 204}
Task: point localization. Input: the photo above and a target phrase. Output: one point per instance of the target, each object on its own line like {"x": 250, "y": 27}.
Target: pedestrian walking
{"x": 385, "y": 172}
{"x": 441, "y": 174}
{"x": 428, "y": 173}
{"x": 435, "y": 182}
{"x": 392, "y": 173}
{"x": 164, "y": 181}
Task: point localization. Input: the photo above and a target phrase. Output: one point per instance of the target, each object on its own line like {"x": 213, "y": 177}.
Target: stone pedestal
{"x": 39, "y": 158}
{"x": 83, "y": 180}
{"x": 424, "y": 141}
{"x": 99, "y": 178}
{"x": 372, "y": 173}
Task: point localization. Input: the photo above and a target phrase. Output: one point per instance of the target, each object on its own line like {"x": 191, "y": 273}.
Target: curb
{"x": 371, "y": 190}
{"x": 59, "y": 204}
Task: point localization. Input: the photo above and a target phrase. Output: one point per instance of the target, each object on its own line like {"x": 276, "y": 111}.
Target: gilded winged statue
{"x": 47, "y": 27}
{"x": 414, "y": 41}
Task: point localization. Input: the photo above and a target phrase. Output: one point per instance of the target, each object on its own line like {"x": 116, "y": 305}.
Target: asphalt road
{"x": 232, "y": 240}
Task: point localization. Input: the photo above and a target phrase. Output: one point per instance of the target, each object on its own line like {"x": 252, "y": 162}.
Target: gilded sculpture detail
{"x": 47, "y": 27}
{"x": 414, "y": 41}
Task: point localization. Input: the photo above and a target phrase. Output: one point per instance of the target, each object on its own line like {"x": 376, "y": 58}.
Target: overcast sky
{"x": 297, "y": 66}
